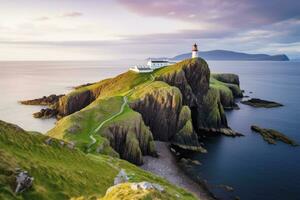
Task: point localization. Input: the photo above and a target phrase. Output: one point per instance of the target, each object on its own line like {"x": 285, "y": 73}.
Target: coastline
{"x": 166, "y": 166}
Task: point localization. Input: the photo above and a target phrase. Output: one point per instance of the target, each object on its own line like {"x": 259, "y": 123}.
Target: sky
{"x": 138, "y": 29}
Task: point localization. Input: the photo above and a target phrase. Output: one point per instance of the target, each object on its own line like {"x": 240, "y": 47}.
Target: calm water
{"x": 255, "y": 169}
{"x": 28, "y": 80}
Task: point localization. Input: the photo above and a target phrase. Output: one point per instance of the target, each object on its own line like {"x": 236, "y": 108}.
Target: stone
{"x": 48, "y": 141}
{"x": 23, "y": 181}
{"x": 71, "y": 145}
{"x": 196, "y": 162}
{"x": 62, "y": 143}
{"x": 122, "y": 177}
{"x": 158, "y": 187}
{"x": 147, "y": 186}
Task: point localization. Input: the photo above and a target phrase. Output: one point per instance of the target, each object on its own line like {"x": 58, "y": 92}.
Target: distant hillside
{"x": 231, "y": 55}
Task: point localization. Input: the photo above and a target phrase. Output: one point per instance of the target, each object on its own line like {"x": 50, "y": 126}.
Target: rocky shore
{"x": 167, "y": 167}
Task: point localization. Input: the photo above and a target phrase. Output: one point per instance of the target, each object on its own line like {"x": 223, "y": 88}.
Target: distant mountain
{"x": 231, "y": 55}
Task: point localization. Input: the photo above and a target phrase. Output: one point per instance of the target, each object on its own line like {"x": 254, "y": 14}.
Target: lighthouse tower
{"x": 195, "y": 51}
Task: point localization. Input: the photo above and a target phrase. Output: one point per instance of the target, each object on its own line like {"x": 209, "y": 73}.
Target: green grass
{"x": 78, "y": 126}
{"x": 226, "y": 95}
{"x": 178, "y": 66}
{"x": 157, "y": 86}
{"x": 60, "y": 172}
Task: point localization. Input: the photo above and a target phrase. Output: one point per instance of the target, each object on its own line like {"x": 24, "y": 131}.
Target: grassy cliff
{"x": 61, "y": 172}
{"x": 98, "y": 120}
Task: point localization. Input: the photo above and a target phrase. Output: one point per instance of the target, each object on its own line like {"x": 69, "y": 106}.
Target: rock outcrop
{"x": 45, "y": 113}
{"x": 168, "y": 119}
{"x": 271, "y": 136}
{"x": 44, "y": 101}
{"x": 227, "y": 78}
{"x": 23, "y": 181}
{"x": 131, "y": 138}
{"x": 192, "y": 77}
{"x": 160, "y": 109}
{"x": 122, "y": 177}
{"x": 259, "y": 103}
{"x": 74, "y": 102}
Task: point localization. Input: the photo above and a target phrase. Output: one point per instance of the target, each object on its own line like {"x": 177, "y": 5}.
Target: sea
{"x": 254, "y": 169}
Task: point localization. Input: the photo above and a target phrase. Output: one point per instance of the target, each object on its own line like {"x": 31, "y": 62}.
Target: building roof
{"x": 159, "y": 61}
{"x": 195, "y": 47}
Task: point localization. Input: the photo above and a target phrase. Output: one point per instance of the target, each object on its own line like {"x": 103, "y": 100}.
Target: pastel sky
{"x": 126, "y": 29}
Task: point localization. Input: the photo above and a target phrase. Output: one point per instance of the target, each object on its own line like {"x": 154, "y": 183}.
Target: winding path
{"x": 125, "y": 101}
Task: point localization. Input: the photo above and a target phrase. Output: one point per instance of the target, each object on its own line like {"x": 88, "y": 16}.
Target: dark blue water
{"x": 255, "y": 169}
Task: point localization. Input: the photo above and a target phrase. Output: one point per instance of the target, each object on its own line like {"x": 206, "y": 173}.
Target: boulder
{"x": 121, "y": 177}
{"x": 23, "y": 181}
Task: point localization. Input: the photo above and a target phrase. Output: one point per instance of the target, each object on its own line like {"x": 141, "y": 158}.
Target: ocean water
{"x": 29, "y": 80}
{"x": 255, "y": 169}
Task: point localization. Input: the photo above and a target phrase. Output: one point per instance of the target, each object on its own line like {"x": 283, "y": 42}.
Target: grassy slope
{"x": 79, "y": 125}
{"x": 60, "y": 172}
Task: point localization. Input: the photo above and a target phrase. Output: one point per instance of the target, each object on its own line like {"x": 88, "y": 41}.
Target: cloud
{"x": 232, "y": 13}
{"x": 43, "y": 18}
{"x": 72, "y": 14}
{"x": 64, "y": 15}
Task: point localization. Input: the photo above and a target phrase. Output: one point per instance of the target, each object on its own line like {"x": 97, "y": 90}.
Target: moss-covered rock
{"x": 227, "y": 78}
{"x": 225, "y": 94}
{"x": 185, "y": 137}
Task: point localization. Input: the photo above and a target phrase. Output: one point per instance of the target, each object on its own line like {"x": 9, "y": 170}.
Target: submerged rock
{"x": 23, "y": 181}
{"x": 227, "y": 188}
{"x": 259, "y": 103}
{"x": 271, "y": 135}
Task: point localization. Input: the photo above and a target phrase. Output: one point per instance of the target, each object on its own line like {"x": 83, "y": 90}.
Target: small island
{"x": 271, "y": 135}
{"x": 259, "y": 103}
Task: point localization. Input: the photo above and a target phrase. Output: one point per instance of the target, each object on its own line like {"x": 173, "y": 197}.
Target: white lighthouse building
{"x": 154, "y": 64}
{"x": 195, "y": 51}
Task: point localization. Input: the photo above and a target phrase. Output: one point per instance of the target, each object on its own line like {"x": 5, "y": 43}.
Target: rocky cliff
{"x": 175, "y": 104}
{"x": 192, "y": 77}
{"x": 129, "y": 136}
{"x": 163, "y": 111}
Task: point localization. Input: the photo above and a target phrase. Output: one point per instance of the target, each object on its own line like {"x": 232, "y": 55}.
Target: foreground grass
{"x": 60, "y": 172}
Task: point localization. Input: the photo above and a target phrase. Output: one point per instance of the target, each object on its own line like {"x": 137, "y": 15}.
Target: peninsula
{"x": 122, "y": 117}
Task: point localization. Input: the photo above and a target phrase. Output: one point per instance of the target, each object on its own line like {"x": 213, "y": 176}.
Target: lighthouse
{"x": 195, "y": 51}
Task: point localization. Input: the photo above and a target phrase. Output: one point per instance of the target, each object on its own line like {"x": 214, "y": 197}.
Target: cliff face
{"x": 164, "y": 113}
{"x": 131, "y": 139}
{"x": 160, "y": 110}
{"x": 193, "y": 78}
{"x": 74, "y": 102}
